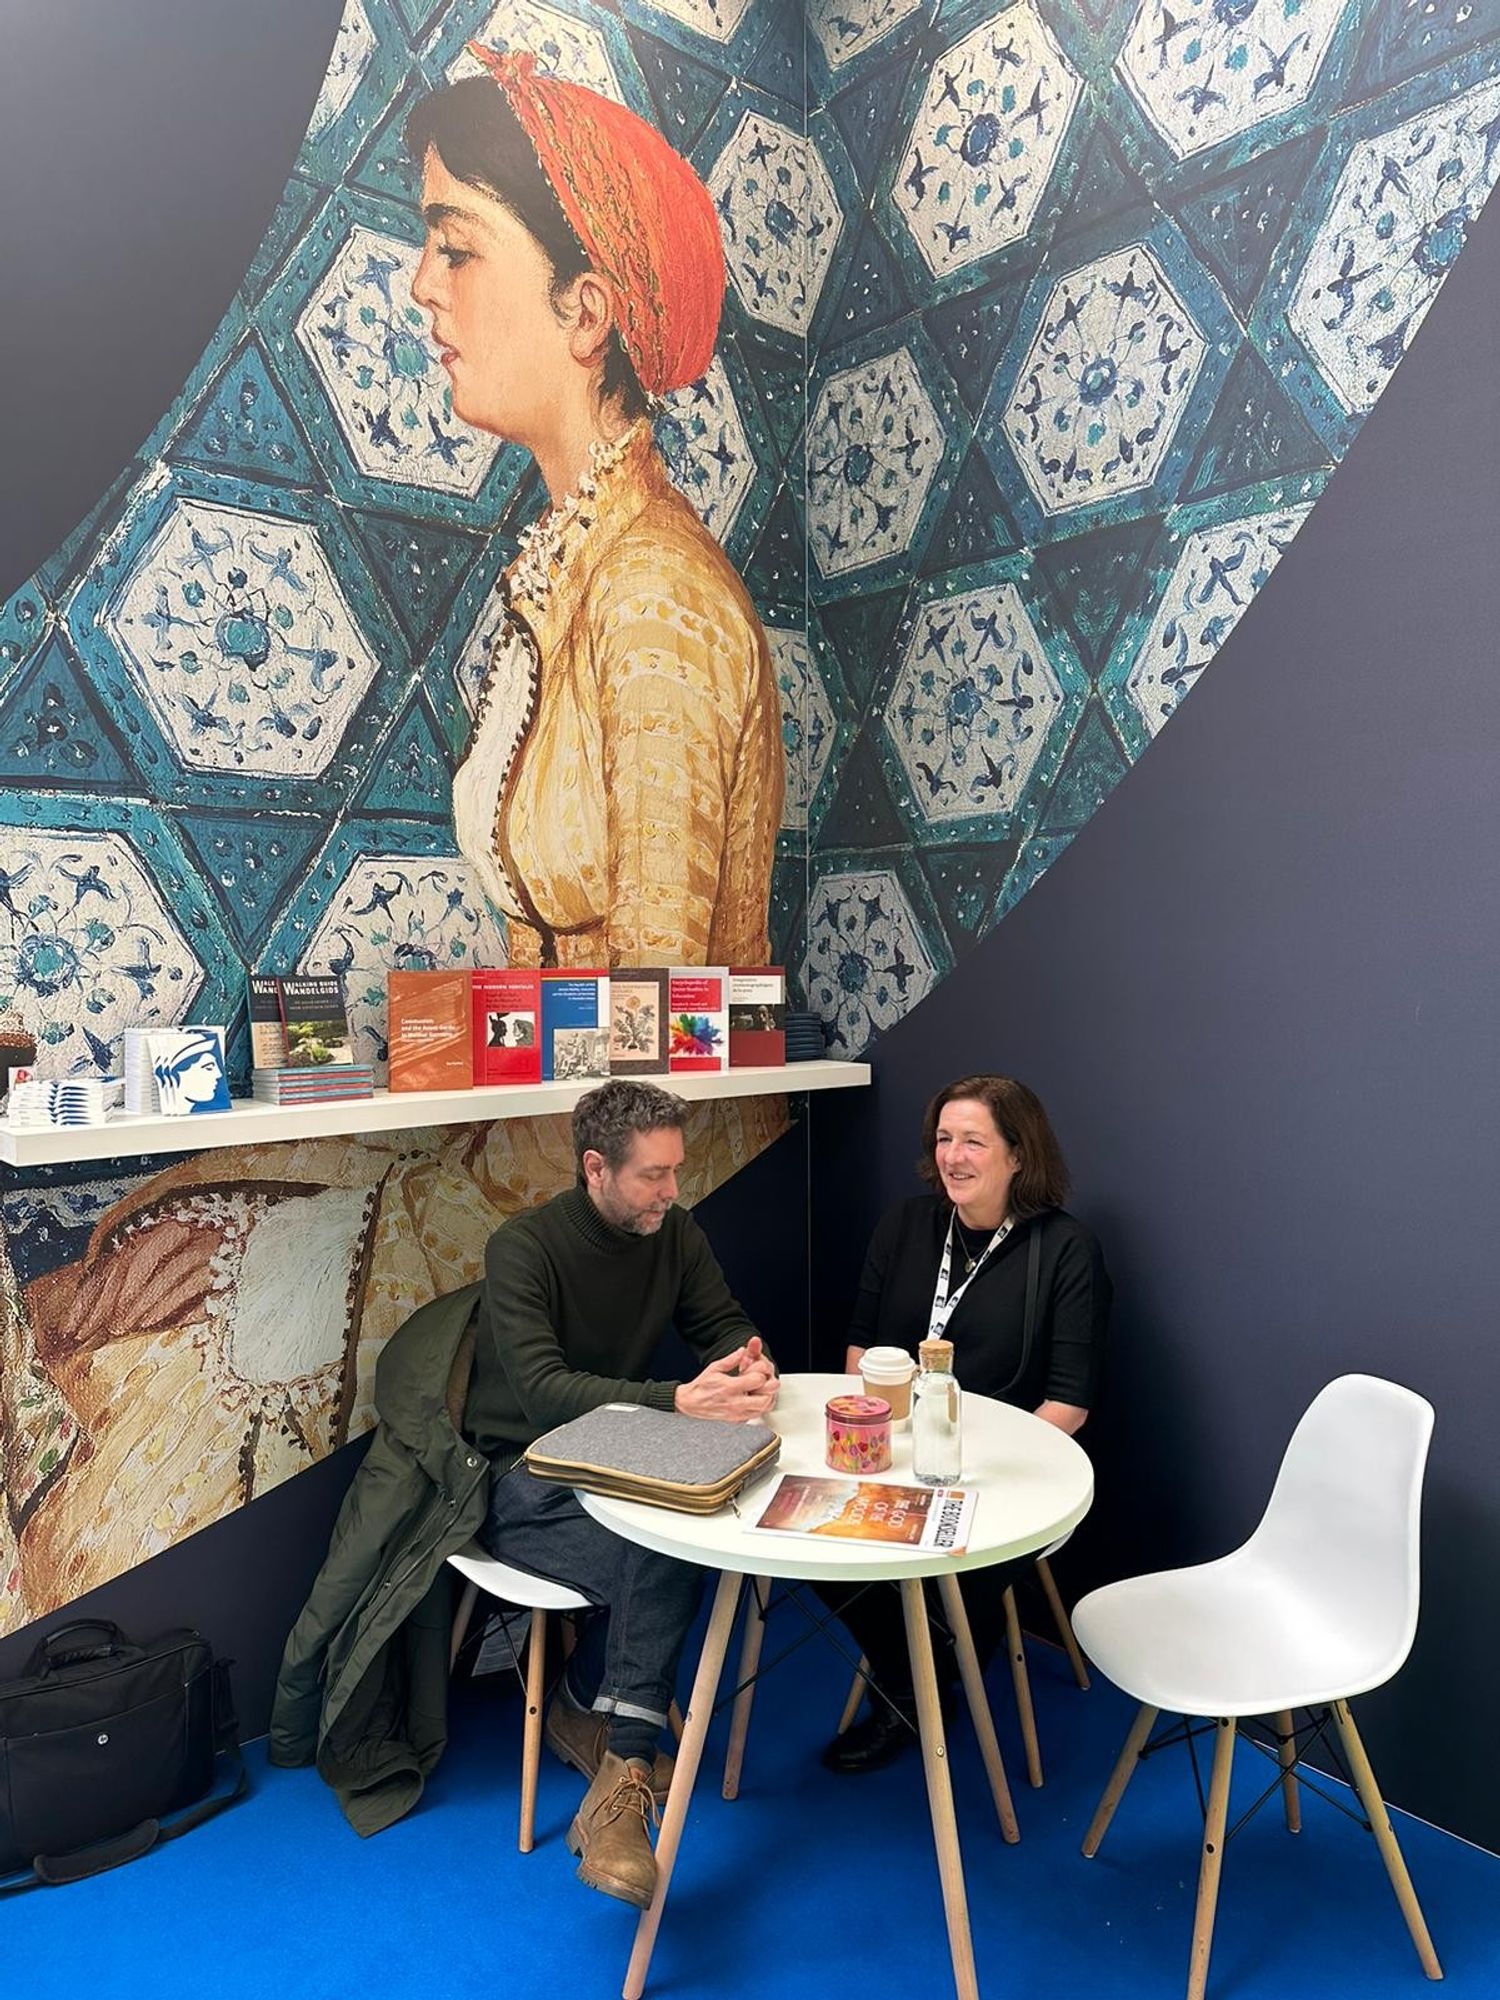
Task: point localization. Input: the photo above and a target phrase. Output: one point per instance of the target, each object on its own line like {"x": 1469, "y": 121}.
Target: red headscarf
{"x": 644, "y": 218}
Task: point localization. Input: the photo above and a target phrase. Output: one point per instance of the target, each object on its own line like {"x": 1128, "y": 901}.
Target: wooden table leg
{"x": 531, "y": 1735}
{"x": 979, "y": 1707}
{"x": 855, "y": 1695}
{"x": 1286, "y": 1756}
{"x": 939, "y": 1789}
{"x": 1022, "y": 1682}
{"x": 1062, "y": 1621}
{"x": 689, "y": 1751}
{"x": 1385, "y": 1839}
{"x": 756, "y": 1605}
{"x": 1213, "y": 1858}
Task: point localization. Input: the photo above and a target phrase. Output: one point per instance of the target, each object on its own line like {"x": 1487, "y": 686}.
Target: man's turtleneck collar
{"x": 578, "y": 1205}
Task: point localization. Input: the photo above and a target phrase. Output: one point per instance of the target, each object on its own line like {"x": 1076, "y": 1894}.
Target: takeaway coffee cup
{"x": 888, "y": 1372}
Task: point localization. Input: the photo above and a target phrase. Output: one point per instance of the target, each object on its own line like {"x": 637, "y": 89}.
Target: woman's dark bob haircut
{"x": 1042, "y": 1179}
{"x": 474, "y": 132}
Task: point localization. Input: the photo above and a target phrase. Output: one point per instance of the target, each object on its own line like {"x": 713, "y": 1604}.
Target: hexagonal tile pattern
{"x": 237, "y": 632}
{"x": 1204, "y": 71}
{"x": 867, "y": 963}
{"x": 719, "y": 20}
{"x": 874, "y": 448}
{"x": 369, "y": 346}
{"x": 703, "y": 441}
{"x": 1398, "y": 219}
{"x": 1211, "y": 587}
{"x": 807, "y": 727}
{"x": 1104, "y": 382}
{"x": 972, "y": 705}
{"x": 779, "y": 218}
{"x": 415, "y": 912}
{"x": 983, "y": 145}
{"x": 846, "y": 28}
{"x": 562, "y": 46}
{"x": 353, "y": 46}
{"x": 89, "y": 946}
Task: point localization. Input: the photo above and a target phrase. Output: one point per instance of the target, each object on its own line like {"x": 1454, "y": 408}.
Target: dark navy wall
{"x": 1258, "y": 995}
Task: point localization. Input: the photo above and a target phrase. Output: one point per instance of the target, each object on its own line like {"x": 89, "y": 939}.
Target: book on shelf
{"x": 507, "y": 1017}
{"x": 326, "y": 1084}
{"x": 757, "y": 1016}
{"x": 930, "y": 1518}
{"x": 698, "y": 1003}
{"x": 267, "y": 1028}
{"x": 187, "y": 1067}
{"x": 317, "y": 1025}
{"x": 429, "y": 1033}
{"x": 575, "y": 1026}
{"x": 638, "y": 1018}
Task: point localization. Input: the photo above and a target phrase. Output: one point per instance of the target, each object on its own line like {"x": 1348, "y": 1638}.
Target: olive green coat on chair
{"x": 363, "y": 1687}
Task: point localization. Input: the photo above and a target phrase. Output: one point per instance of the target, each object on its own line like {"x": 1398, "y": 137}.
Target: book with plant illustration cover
{"x": 638, "y": 1020}
{"x": 317, "y": 1027}
{"x": 698, "y": 1006}
{"x": 866, "y": 1510}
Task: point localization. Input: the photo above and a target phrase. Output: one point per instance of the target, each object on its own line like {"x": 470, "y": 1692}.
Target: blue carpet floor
{"x": 807, "y": 1885}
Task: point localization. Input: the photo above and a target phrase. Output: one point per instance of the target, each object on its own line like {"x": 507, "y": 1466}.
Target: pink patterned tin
{"x": 859, "y": 1434}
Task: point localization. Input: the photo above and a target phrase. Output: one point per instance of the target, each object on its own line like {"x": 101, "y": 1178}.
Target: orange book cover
{"x": 430, "y": 1036}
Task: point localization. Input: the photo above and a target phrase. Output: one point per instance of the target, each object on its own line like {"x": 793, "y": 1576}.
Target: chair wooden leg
{"x": 461, "y": 1619}
{"x": 1062, "y": 1621}
{"x": 1385, "y": 1839}
{"x": 695, "y": 1728}
{"x": 674, "y": 1721}
{"x": 739, "y": 1722}
{"x": 939, "y": 1789}
{"x": 531, "y": 1735}
{"x": 1022, "y": 1682}
{"x": 855, "y": 1695}
{"x": 979, "y": 1707}
{"x": 1213, "y": 1857}
{"x": 1286, "y": 1756}
{"x": 1119, "y": 1778}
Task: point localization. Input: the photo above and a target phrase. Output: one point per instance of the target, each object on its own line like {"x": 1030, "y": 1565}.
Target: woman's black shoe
{"x": 869, "y": 1745}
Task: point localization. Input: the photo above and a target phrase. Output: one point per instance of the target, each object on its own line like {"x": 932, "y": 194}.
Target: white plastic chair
{"x": 1318, "y": 1606}
{"x": 1016, "y": 1649}
{"x": 539, "y": 1595}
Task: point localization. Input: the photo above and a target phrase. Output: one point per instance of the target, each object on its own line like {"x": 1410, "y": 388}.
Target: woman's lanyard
{"x": 945, "y": 1302}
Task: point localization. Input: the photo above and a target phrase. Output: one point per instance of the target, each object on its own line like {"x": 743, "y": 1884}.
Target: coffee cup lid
{"x": 885, "y": 1358}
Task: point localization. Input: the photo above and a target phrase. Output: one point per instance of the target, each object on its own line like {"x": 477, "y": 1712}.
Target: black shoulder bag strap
{"x": 1028, "y": 1324}
{"x": 49, "y": 1871}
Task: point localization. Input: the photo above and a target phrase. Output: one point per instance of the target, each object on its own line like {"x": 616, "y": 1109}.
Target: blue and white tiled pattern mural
{"x": 1115, "y": 287}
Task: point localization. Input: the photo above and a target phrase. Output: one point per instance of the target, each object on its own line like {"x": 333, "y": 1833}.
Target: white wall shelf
{"x": 387, "y": 1111}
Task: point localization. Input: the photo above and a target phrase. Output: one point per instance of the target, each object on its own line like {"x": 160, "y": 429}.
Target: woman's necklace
{"x": 544, "y": 547}
{"x": 971, "y": 1246}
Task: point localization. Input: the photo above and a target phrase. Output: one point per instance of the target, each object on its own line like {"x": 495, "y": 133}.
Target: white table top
{"x": 1035, "y": 1484}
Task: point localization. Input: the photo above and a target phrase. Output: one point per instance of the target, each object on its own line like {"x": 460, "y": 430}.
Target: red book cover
{"x": 429, "y": 1035}
{"x": 698, "y": 1004}
{"x": 507, "y": 1004}
{"x": 757, "y": 1016}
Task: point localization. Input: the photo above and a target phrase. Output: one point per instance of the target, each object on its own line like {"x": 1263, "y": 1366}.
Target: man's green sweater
{"x": 572, "y": 1310}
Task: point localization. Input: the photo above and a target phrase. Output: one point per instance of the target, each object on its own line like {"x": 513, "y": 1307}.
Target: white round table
{"x": 1034, "y": 1484}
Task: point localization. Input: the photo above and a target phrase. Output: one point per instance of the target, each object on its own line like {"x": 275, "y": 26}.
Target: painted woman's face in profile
{"x": 199, "y": 1079}
{"x": 487, "y": 283}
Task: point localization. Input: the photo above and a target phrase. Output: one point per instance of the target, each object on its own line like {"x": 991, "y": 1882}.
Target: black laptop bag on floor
{"x": 101, "y": 1741}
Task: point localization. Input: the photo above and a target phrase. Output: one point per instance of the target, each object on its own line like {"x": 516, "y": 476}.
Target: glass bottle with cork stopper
{"x": 936, "y": 1417}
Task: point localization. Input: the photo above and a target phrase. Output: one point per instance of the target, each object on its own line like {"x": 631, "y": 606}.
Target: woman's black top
{"x": 894, "y": 1305}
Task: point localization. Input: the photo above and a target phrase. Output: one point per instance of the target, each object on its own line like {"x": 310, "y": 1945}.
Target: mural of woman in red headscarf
{"x": 622, "y": 787}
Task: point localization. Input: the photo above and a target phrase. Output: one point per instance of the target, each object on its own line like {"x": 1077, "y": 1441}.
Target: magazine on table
{"x": 932, "y": 1519}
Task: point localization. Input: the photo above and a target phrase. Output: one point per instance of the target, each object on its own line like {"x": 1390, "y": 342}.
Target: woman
{"x": 958, "y": 1262}
{"x": 622, "y": 787}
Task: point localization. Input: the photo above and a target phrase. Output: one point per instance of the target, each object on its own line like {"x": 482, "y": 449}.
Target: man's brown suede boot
{"x": 611, "y": 1834}
{"x": 581, "y": 1738}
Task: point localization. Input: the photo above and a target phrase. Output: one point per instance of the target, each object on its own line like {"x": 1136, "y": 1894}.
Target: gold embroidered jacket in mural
{"x": 638, "y": 819}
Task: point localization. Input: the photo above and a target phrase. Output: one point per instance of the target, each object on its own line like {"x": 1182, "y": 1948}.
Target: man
{"x": 577, "y": 1294}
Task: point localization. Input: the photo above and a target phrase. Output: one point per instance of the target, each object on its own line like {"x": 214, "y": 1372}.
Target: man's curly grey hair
{"x": 607, "y": 1119}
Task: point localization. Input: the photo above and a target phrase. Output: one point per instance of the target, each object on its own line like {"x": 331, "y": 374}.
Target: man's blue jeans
{"x": 626, "y": 1662}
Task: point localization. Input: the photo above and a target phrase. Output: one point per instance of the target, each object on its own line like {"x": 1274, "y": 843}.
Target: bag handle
{"x": 85, "y": 1639}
